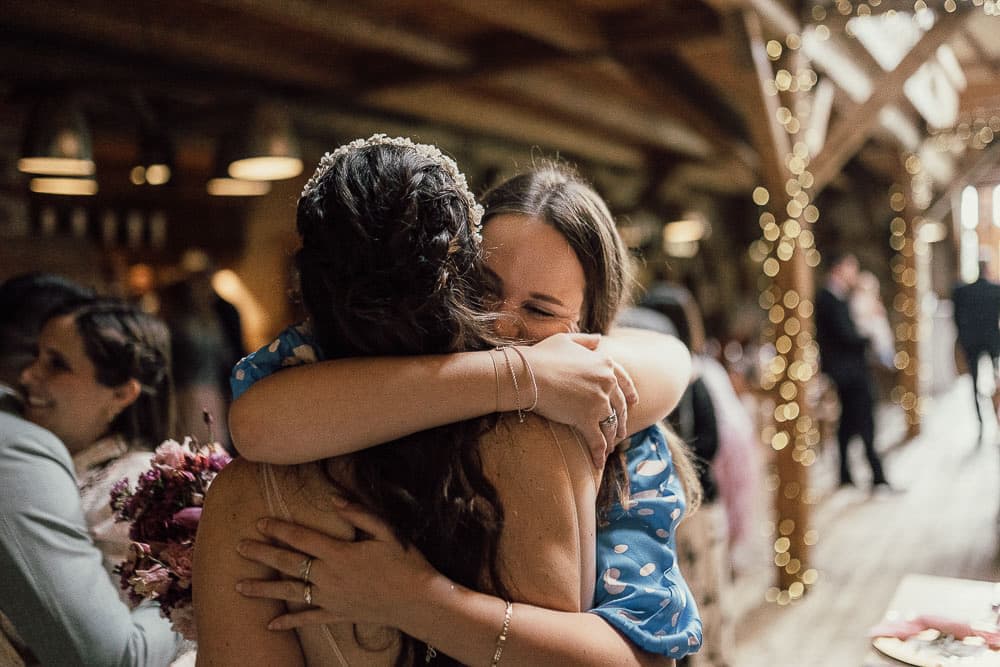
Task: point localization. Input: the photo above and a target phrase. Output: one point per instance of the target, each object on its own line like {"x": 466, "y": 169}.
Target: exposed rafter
{"x": 350, "y": 27}
{"x": 480, "y": 110}
{"x": 854, "y": 126}
{"x": 186, "y": 44}
{"x": 554, "y": 23}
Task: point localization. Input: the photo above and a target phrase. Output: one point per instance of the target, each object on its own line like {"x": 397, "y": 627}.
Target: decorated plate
{"x": 931, "y": 648}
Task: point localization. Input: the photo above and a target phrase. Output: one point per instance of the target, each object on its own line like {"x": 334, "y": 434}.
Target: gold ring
{"x": 305, "y": 568}
{"x": 307, "y": 594}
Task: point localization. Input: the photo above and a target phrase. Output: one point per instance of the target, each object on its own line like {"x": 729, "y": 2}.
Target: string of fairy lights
{"x": 786, "y": 238}
{"x": 787, "y": 376}
{"x": 848, "y": 8}
{"x": 906, "y": 200}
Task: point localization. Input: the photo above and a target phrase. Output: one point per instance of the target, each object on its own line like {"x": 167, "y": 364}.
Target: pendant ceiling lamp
{"x": 269, "y": 151}
{"x": 63, "y": 185}
{"x": 57, "y": 141}
{"x": 223, "y": 185}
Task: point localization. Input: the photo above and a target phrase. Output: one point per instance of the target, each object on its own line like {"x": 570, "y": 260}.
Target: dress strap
{"x": 276, "y": 505}
{"x": 275, "y": 502}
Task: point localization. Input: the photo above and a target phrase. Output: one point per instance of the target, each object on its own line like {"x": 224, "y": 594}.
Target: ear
{"x": 125, "y": 395}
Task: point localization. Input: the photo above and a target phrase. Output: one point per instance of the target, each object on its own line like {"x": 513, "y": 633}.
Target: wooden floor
{"x": 943, "y": 522}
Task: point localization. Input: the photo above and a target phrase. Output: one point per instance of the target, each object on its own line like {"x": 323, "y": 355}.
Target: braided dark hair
{"x": 390, "y": 265}
{"x": 124, "y": 343}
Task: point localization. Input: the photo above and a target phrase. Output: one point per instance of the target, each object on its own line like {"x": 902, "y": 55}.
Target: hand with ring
{"x": 577, "y": 382}
{"x": 327, "y": 573}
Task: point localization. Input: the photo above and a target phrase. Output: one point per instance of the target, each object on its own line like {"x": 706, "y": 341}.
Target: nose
{"x": 29, "y": 375}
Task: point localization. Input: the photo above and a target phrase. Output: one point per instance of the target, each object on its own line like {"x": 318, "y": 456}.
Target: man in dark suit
{"x": 843, "y": 358}
{"x": 977, "y": 313}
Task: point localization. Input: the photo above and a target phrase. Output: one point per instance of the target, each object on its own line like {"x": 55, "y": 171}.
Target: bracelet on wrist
{"x": 502, "y": 637}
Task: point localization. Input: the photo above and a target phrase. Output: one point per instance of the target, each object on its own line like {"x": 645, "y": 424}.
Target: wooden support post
{"x": 787, "y": 295}
{"x": 910, "y": 272}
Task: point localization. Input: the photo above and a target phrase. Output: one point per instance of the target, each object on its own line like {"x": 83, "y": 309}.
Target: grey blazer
{"x": 54, "y": 588}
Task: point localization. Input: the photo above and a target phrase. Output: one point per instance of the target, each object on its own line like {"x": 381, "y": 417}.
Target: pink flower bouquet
{"x": 164, "y": 510}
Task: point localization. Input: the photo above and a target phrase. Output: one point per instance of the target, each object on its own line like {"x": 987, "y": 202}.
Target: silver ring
{"x": 610, "y": 420}
{"x": 307, "y": 594}
{"x": 305, "y": 568}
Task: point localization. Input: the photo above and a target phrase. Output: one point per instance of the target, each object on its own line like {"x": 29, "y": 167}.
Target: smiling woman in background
{"x": 100, "y": 384}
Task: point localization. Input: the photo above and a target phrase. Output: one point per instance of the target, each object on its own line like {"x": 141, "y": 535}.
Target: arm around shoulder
{"x": 660, "y": 367}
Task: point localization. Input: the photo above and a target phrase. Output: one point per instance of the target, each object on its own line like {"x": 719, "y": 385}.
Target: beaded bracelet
{"x": 502, "y": 637}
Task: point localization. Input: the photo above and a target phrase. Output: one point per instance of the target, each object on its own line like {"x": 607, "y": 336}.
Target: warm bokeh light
{"x": 267, "y": 168}
{"x": 56, "y": 166}
{"x": 234, "y": 187}
{"x": 64, "y": 186}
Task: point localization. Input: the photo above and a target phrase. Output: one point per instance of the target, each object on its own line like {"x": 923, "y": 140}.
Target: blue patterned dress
{"x": 640, "y": 590}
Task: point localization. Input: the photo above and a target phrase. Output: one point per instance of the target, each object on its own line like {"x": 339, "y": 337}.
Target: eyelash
{"x": 538, "y": 311}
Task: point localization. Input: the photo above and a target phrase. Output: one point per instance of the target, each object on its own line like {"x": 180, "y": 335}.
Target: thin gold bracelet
{"x": 502, "y": 637}
{"x": 496, "y": 373}
{"x": 531, "y": 374}
{"x": 513, "y": 377}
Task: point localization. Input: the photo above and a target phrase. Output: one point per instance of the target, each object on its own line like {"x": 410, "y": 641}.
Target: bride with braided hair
{"x": 555, "y": 264}
{"x": 390, "y": 264}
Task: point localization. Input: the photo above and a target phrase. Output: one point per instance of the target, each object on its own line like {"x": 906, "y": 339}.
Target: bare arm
{"x": 421, "y": 602}
{"x": 231, "y": 626}
{"x": 660, "y": 367}
{"x": 289, "y": 416}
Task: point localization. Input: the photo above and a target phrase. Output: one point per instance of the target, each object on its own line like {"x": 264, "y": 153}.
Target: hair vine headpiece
{"x": 427, "y": 150}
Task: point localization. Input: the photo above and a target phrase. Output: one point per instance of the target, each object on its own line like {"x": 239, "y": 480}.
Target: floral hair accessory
{"x": 431, "y": 152}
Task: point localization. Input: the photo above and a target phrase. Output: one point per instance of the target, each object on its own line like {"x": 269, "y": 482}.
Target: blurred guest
{"x": 868, "y": 313}
{"x": 95, "y": 384}
{"x": 701, "y": 540}
{"x": 206, "y": 343}
{"x": 843, "y": 357}
{"x": 977, "y": 312}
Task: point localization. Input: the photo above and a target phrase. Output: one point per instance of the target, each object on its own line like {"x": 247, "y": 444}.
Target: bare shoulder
{"x": 233, "y": 504}
{"x": 235, "y": 488}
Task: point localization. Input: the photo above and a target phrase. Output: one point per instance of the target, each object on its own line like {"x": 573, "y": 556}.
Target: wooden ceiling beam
{"x": 582, "y": 99}
{"x": 980, "y": 97}
{"x": 551, "y": 22}
{"x": 146, "y": 39}
{"x": 985, "y": 58}
{"x": 346, "y": 25}
{"x": 661, "y": 28}
{"x": 482, "y": 111}
{"x": 768, "y": 135}
{"x": 969, "y": 169}
{"x": 854, "y": 126}
{"x": 680, "y": 104}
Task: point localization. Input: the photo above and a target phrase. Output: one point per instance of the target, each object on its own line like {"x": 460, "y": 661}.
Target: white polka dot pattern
{"x": 292, "y": 347}
{"x": 641, "y": 591}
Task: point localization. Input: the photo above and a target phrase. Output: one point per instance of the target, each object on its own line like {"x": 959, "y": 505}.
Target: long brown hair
{"x": 390, "y": 265}
{"x": 555, "y": 194}
{"x": 124, "y": 343}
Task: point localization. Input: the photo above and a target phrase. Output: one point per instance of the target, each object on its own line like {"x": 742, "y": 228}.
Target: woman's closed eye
{"x": 538, "y": 311}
